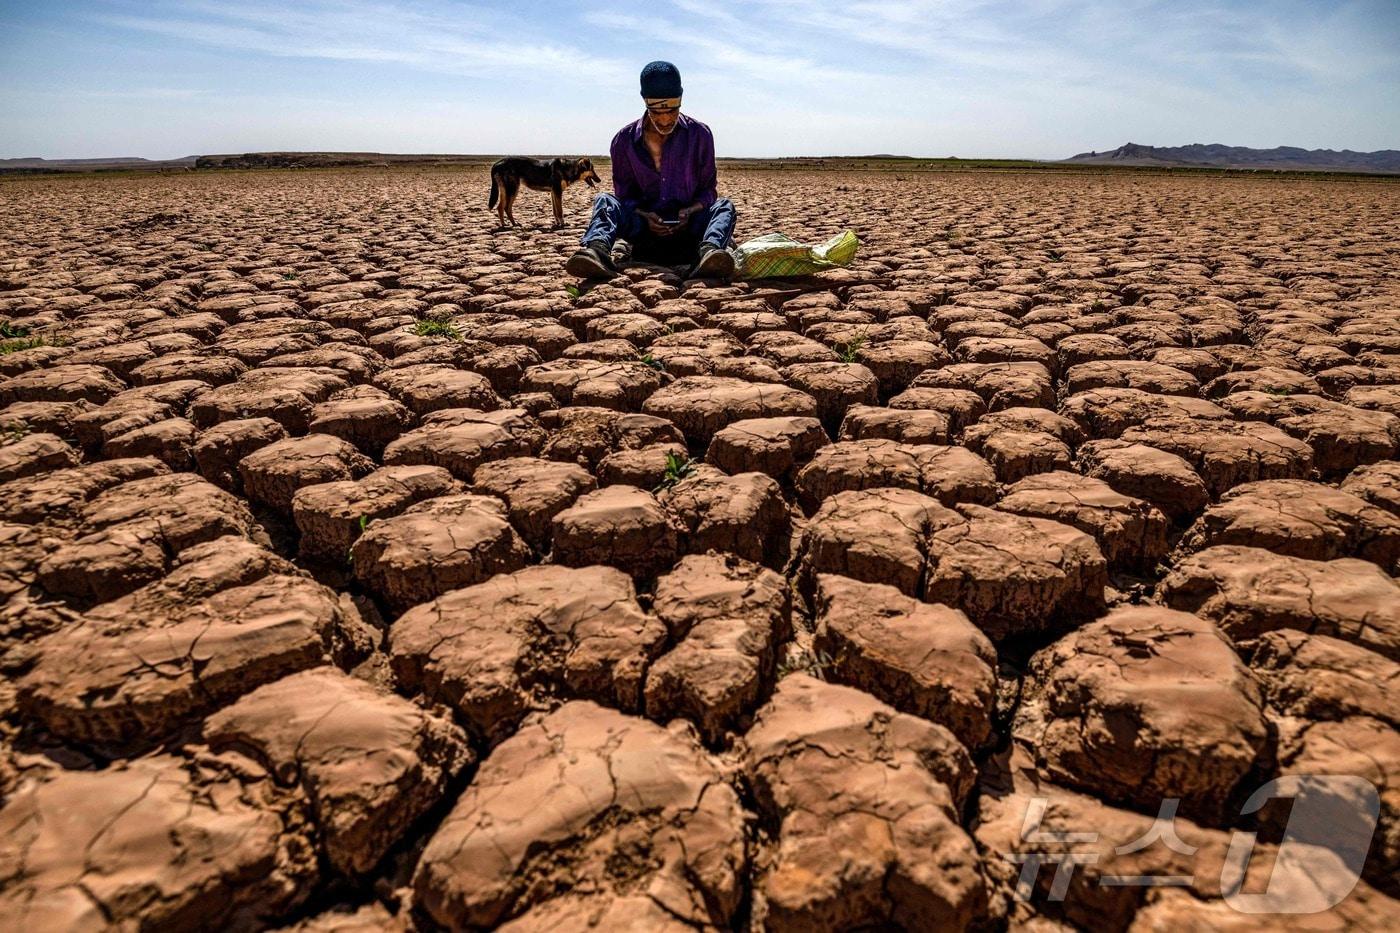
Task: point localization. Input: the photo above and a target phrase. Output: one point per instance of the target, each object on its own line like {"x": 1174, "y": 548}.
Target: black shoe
{"x": 590, "y": 262}
{"x": 714, "y": 263}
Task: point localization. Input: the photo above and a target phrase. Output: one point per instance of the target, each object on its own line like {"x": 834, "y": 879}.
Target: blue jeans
{"x": 611, "y": 223}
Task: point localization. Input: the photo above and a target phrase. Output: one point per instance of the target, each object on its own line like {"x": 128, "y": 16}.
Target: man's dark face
{"x": 663, "y": 116}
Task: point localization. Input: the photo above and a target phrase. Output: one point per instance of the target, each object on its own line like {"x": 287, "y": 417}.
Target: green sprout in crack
{"x": 850, "y": 350}
{"x": 677, "y": 469}
{"x": 15, "y": 344}
{"x": 431, "y": 328}
{"x": 12, "y": 431}
{"x": 9, "y": 330}
{"x": 363, "y": 523}
{"x": 572, "y": 291}
{"x": 646, "y": 359}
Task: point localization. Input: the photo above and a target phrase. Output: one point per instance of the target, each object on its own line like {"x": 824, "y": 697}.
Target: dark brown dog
{"x": 553, "y": 175}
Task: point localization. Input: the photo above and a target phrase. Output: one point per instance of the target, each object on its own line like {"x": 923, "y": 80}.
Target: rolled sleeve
{"x": 625, "y": 184}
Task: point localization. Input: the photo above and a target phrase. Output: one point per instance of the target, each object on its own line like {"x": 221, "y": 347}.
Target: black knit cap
{"x": 661, "y": 79}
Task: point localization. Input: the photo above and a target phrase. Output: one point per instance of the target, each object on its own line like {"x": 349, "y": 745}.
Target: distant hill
{"x": 36, "y": 165}
{"x": 1215, "y": 155}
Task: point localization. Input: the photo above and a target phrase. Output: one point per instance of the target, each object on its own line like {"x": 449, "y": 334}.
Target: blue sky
{"x": 1037, "y": 79}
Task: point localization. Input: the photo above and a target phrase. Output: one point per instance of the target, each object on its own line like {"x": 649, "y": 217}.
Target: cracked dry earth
{"x": 346, "y": 586}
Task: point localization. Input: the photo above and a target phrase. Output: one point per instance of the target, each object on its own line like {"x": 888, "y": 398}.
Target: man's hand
{"x": 656, "y": 226}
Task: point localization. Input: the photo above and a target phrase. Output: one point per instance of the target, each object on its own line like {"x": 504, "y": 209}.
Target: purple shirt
{"x": 687, "y": 168}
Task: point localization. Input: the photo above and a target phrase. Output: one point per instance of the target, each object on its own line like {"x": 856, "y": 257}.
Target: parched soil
{"x": 359, "y": 571}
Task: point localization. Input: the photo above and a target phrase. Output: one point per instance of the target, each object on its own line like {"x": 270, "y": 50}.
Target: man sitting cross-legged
{"x": 664, "y": 202}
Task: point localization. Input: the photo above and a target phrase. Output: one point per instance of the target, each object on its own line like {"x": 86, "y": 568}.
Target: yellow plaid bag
{"x": 774, "y": 255}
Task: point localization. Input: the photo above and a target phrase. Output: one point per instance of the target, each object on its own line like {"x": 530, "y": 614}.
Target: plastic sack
{"x": 774, "y": 255}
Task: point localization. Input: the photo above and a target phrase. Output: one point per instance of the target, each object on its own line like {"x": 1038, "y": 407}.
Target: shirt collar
{"x": 682, "y": 124}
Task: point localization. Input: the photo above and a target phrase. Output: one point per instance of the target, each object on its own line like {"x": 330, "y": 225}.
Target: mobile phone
{"x": 671, "y": 223}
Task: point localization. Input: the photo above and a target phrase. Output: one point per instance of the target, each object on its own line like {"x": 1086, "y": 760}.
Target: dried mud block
{"x": 922, "y": 659}
{"x": 701, "y": 406}
{"x": 197, "y": 573}
{"x": 134, "y": 532}
{"x": 1032, "y": 420}
{"x": 1017, "y": 454}
{"x": 45, "y": 417}
{"x": 644, "y": 467}
{"x": 876, "y": 535}
{"x": 897, "y": 363}
{"x": 728, "y": 617}
{"x": 127, "y": 684}
{"x": 437, "y": 545}
{"x": 1378, "y": 484}
{"x": 61, "y": 383}
{"x": 618, "y": 386}
{"x": 1076, "y": 349}
{"x": 1200, "y": 363}
{"x": 1249, "y": 591}
{"x": 433, "y": 387}
{"x": 1144, "y": 472}
{"x": 1227, "y": 453}
{"x": 777, "y": 447}
{"x": 1132, "y": 533}
{"x": 330, "y": 516}
{"x": 864, "y": 801}
{"x": 1264, "y": 379}
{"x": 1107, "y": 413}
{"x": 907, "y": 426}
{"x": 950, "y": 474}
{"x": 182, "y": 365}
{"x": 1000, "y": 385}
{"x": 587, "y": 435}
{"x": 522, "y": 640}
{"x": 547, "y": 338}
{"x": 505, "y": 367}
{"x": 1343, "y": 438}
{"x": 617, "y": 787}
{"x": 272, "y": 475}
{"x": 368, "y": 418}
{"x": 287, "y": 396}
{"x": 1014, "y": 575}
{"x": 534, "y": 491}
{"x": 1376, "y": 398}
{"x": 742, "y": 514}
{"x": 151, "y": 844}
{"x": 218, "y": 451}
{"x": 1113, "y": 849}
{"x": 169, "y": 441}
{"x": 132, "y": 409}
{"x": 1297, "y": 518}
{"x": 1155, "y": 378}
{"x": 1142, "y": 705}
{"x": 57, "y": 498}
{"x": 1317, "y": 677}
{"x": 1355, "y": 747}
{"x": 835, "y": 387}
{"x": 994, "y": 350}
{"x": 637, "y": 329}
{"x": 460, "y": 440}
{"x": 620, "y": 526}
{"x": 370, "y": 763}
{"x": 34, "y": 454}
{"x": 1340, "y": 436}
{"x": 961, "y": 407}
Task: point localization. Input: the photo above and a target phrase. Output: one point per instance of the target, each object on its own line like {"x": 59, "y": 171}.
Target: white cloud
{"x": 446, "y": 40}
